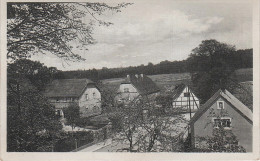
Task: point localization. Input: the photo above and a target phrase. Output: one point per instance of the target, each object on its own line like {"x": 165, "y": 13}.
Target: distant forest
{"x": 239, "y": 59}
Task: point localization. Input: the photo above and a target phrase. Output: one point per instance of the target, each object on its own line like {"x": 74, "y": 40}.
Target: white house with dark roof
{"x": 135, "y": 86}
{"x": 184, "y": 99}
{"x": 63, "y": 92}
{"x": 223, "y": 109}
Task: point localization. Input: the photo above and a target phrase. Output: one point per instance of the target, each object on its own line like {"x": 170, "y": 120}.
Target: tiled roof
{"x": 66, "y": 87}
{"x": 246, "y": 112}
{"x": 142, "y": 83}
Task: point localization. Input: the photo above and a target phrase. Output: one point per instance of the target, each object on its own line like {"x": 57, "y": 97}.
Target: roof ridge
{"x": 230, "y": 98}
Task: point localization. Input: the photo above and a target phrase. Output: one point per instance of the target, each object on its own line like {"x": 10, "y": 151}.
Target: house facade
{"x": 83, "y": 92}
{"x": 136, "y": 86}
{"x": 185, "y": 99}
{"x": 223, "y": 109}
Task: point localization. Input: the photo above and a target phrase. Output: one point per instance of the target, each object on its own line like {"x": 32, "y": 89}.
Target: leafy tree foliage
{"x": 238, "y": 59}
{"x": 212, "y": 64}
{"x": 38, "y": 74}
{"x": 145, "y": 129}
{"x": 72, "y": 114}
{"x": 31, "y": 121}
{"x": 52, "y": 27}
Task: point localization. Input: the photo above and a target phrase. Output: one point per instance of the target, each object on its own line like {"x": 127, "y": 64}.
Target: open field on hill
{"x": 169, "y": 81}
{"x": 244, "y": 74}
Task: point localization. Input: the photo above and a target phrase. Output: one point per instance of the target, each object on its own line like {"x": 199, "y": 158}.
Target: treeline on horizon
{"x": 242, "y": 58}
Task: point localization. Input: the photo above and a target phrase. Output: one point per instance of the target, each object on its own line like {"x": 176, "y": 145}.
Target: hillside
{"x": 169, "y": 81}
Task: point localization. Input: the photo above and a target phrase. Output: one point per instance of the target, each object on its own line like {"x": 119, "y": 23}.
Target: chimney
{"x": 142, "y": 76}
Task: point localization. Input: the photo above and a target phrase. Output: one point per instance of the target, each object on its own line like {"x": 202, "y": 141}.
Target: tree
{"x": 146, "y": 129}
{"x": 72, "y": 114}
{"x": 52, "y": 27}
{"x": 38, "y": 74}
{"x": 210, "y": 68}
{"x": 31, "y": 121}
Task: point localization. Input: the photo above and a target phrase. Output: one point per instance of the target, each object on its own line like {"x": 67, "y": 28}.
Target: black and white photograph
{"x": 147, "y": 76}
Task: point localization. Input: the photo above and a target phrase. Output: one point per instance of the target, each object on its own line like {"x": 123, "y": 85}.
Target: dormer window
{"x": 220, "y": 104}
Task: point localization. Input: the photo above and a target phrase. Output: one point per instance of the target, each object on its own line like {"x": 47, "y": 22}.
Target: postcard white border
{"x": 130, "y": 156}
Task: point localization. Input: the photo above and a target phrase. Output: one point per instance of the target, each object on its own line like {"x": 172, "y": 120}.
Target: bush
{"x": 116, "y": 120}
{"x": 68, "y": 141}
{"x": 96, "y": 121}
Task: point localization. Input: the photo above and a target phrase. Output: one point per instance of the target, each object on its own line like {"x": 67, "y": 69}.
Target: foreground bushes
{"x": 72, "y": 140}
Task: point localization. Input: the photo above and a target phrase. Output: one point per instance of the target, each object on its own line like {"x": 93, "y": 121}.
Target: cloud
{"x": 162, "y": 30}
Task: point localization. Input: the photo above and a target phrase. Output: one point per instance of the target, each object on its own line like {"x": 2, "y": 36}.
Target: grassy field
{"x": 169, "y": 81}
{"x": 244, "y": 74}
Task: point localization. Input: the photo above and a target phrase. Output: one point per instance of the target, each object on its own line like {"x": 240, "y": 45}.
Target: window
{"x": 186, "y": 94}
{"x": 86, "y": 96}
{"x": 224, "y": 122}
{"x": 126, "y": 89}
{"x": 220, "y": 104}
{"x": 217, "y": 123}
{"x": 94, "y": 95}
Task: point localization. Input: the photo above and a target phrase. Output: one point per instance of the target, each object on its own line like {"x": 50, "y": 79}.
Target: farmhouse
{"x": 223, "y": 109}
{"x": 185, "y": 99}
{"x": 63, "y": 92}
{"x": 136, "y": 85}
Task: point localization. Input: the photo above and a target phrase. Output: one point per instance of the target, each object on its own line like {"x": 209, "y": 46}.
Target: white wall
{"x": 91, "y": 105}
{"x": 133, "y": 93}
{"x": 182, "y": 101}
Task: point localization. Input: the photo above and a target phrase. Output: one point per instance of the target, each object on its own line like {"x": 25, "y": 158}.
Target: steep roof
{"x": 142, "y": 83}
{"x": 66, "y": 87}
{"x": 244, "y": 110}
{"x": 177, "y": 92}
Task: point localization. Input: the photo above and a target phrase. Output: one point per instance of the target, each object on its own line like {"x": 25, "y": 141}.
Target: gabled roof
{"x": 142, "y": 83}
{"x": 67, "y": 87}
{"x": 243, "y": 110}
{"x": 177, "y": 92}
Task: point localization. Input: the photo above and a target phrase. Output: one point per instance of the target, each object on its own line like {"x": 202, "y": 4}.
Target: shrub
{"x": 69, "y": 141}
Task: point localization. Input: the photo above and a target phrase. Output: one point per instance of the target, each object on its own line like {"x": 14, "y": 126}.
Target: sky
{"x": 154, "y": 31}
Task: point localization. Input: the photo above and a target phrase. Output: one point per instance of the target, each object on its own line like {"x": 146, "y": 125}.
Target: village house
{"x": 135, "y": 86}
{"x": 184, "y": 99}
{"x": 83, "y": 92}
{"x": 223, "y": 109}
